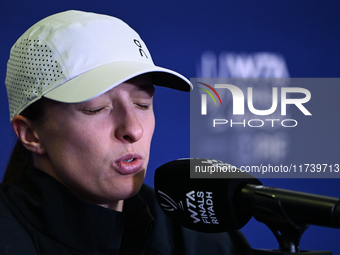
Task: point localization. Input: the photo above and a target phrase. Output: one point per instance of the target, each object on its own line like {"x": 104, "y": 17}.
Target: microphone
{"x": 204, "y": 205}
{"x": 220, "y": 205}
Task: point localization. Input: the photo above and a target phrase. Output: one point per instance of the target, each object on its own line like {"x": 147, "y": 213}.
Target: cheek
{"x": 149, "y": 128}
{"x": 83, "y": 142}
{"x": 65, "y": 142}
{"x": 152, "y": 124}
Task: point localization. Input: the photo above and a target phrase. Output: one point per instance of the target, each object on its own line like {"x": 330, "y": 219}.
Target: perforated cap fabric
{"x": 75, "y": 56}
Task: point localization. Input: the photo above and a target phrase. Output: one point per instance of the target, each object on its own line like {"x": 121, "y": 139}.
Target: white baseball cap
{"x": 75, "y": 56}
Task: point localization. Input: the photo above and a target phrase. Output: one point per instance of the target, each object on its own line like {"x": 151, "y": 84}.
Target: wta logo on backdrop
{"x": 244, "y": 106}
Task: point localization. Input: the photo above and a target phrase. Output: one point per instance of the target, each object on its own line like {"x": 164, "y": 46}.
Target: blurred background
{"x": 215, "y": 39}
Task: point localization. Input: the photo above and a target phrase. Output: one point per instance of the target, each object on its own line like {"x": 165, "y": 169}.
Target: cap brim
{"x": 101, "y": 79}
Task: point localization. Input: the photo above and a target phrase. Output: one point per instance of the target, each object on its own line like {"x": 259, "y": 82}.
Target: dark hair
{"x": 21, "y": 158}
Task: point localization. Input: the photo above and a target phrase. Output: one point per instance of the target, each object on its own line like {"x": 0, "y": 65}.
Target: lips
{"x": 129, "y": 164}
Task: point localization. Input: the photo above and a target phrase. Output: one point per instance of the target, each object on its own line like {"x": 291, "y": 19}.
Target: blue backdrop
{"x": 303, "y": 37}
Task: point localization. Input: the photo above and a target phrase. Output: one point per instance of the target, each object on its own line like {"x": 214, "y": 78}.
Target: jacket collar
{"x": 91, "y": 229}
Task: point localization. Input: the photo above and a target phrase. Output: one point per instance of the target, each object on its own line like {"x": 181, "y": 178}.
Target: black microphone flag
{"x": 199, "y": 204}
{"x": 224, "y": 204}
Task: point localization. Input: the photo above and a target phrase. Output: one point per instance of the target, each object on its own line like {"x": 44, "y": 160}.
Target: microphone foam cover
{"x": 204, "y": 205}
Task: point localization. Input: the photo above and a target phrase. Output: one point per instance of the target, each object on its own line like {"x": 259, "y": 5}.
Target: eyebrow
{"x": 149, "y": 88}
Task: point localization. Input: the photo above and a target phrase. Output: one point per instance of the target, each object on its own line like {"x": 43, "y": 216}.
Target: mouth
{"x": 129, "y": 160}
{"x": 129, "y": 164}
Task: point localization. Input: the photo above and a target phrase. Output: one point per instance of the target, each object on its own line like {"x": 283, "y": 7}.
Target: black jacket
{"x": 38, "y": 215}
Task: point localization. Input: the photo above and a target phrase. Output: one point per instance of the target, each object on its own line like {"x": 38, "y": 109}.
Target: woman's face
{"x": 100, "y": 149}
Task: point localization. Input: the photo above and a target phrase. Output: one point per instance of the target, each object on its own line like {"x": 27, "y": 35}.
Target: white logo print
{"x": 170, "y": 204}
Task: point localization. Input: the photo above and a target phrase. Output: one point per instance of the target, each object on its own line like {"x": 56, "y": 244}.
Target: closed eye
{"x": 143, "y": 106}
{"x": 93, "y": 111}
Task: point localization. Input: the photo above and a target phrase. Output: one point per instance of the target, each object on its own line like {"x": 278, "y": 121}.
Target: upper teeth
{"x": 128, "y": 160}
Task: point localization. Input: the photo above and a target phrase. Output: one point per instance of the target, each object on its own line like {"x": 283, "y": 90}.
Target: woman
{"x": 80, "y": 89}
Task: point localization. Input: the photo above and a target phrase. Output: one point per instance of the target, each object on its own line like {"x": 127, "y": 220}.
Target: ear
{"x": 26, "y": 133}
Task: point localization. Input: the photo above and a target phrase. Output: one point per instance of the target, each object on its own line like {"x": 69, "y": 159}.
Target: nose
{"x": 129, "y": 128}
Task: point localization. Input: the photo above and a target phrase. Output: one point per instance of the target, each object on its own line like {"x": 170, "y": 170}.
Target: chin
{"x": 132, "y": 191}
{"x": 131, "y": 187}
